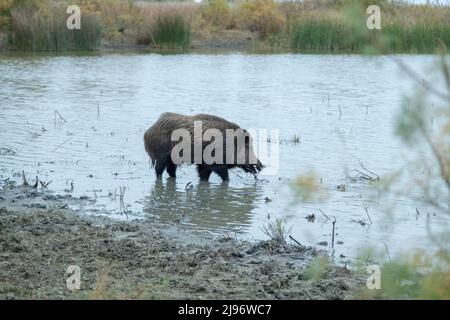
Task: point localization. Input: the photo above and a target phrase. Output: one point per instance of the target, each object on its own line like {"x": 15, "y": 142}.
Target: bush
{"x": 262, "y": 16}
{"x": 216, "y": 12}
{"x": 115, "y": 16}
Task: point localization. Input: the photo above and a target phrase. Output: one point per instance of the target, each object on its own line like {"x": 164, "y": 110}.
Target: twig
{"x": 36, "y": 183}
{"x": 417, "y": 214}
{"x": 298, "y": 243}
{"x": 45, "y": 184}
{"x": 7, "y": 151}
{"x": 24, "y": 179}
{"x": 340, "y": 112}
{"x": 363, "y": 175}
{"x": 387, "y": 251}
{"x": 364, "y": 168}
{"x": 320, "y": 210}
{"x": 238, "y": 174}
{"x": 367, "y": 212}
{"x": 332, "y": 235}
{"x": 122, "y": 193}
{"x": 60, "y": 116}
{"x": 61, "y": 144}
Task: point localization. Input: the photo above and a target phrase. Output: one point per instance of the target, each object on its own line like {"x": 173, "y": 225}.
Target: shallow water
{"x": 341, "y": 107}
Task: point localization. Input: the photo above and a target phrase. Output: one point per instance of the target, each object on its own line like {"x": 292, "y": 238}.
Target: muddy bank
{"x": 40, "y": 236}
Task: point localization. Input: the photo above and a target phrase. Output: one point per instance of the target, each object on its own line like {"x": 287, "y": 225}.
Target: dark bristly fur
{"x": 158, "y": 144}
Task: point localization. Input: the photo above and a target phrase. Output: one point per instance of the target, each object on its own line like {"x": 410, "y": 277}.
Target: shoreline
{"x": 40, "y": 236}
{"x": 244, "y": 44}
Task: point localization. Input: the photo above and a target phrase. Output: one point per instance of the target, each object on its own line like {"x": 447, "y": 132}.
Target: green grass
{"x": 321, "y": 34}
{"x": 420, "y": 37}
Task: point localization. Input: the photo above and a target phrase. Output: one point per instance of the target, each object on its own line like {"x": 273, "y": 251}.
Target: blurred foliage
{"x": 422, "y": 123}
{"x": 106, "y": 288}
{"x": 417, "y": 275}
{"x": 308, "y": 188}
{"x": 317, "y": 269}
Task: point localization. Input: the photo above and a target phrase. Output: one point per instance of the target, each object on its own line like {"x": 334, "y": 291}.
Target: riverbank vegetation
{"x": 318, "y": 26}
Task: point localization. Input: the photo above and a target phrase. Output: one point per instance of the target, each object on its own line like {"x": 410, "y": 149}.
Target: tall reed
{"x": 47, "y": 31}
{"x": 325, "y": 34}
{"x": 168, "y": 24}
{"x": 405, "y": 28}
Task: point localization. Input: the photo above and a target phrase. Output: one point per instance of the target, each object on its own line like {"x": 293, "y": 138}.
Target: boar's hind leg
{"x": 160, "y": 165}
{"x": 204, "y": 172}
{"x": 171, "y": 168}
{"x": 222, "y": 172}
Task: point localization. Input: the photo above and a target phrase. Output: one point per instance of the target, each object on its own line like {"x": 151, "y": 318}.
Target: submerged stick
{"x": 332, "y": 235}
{"x": 367, "y": 212}
{"x": 36, "y": 183}
{"x": 61, "y": 144}
{"x": 387, "y": 251}
{"x": 45, "y": 184}
{"x": 364, "y": 168}
{"x": 60, "y": 116}
{"x": 320, "y": 210}
{"x": 24, "y": 179}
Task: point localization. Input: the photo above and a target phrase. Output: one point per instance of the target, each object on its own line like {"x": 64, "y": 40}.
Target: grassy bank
{"x": 321, "y": 26}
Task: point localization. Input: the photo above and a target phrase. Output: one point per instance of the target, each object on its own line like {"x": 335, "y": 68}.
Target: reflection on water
{"x": 342, "y": 108}
{"x": 210, "y": 206}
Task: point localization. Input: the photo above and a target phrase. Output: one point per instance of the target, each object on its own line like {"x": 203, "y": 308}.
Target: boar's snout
{"x": 259, "y": 166}
{"x": 253, "y": 168}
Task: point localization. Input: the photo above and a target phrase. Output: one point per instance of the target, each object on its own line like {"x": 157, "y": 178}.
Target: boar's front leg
{"x": 204, "y": 172}
{"x": 222, "y": 171}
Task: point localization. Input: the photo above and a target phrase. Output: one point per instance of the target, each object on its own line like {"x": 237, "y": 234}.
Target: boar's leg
{"x": 222, "y": 171}
{"x": 204, "y": 172}
{"x": 171, "y": 168}
{"x": 160, "y": 165}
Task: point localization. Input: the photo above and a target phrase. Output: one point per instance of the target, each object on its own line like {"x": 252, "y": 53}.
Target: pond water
{"x": 79, "y": 121}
